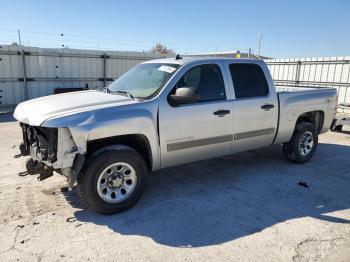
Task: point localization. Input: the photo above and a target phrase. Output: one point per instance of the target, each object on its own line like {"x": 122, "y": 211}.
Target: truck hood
{"x": 34, "y": 112}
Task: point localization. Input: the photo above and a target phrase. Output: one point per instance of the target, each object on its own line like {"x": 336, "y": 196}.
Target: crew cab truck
{"x": 165, "y": 113}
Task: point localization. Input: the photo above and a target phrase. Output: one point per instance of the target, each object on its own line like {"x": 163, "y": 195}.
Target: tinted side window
{"x": 248, "y": 80}
{"x": 206, "y": 80}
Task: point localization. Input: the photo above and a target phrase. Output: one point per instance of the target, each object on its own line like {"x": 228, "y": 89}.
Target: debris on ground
{"x": 23, "y": 173}
{"x": 64, "y": 189}
{"x": 71, "y": 219}
{"x": 303, "y": 184}
{"x": 25, "y": 240}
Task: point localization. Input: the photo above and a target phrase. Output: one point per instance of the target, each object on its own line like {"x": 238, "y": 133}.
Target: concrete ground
{"x": 244, "y": 207}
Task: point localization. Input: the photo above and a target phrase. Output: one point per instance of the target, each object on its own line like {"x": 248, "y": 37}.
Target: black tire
{"x": 291, "y": 150}
{"x": 338, "y": 128}
{"x": 100, "y": 160}
{"x": 335, "y": 127}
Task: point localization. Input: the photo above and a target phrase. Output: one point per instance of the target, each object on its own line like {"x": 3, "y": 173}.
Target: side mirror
{"x": 183, "y": 95}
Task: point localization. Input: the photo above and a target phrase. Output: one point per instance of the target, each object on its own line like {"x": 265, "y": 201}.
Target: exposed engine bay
{"x": 40, "y": 143}
{"x": 49, "y": 149}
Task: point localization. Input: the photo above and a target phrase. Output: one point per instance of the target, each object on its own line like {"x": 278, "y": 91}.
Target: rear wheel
{"x": 113, "y": 179}
{"x": 302, "y": 146}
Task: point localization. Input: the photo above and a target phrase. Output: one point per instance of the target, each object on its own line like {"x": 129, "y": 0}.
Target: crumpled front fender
{"x": 110, "y": 122}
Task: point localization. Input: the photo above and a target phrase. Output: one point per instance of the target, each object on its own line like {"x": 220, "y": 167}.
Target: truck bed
{"x": 294, "y": 100}
{"x": 294, "y": 89}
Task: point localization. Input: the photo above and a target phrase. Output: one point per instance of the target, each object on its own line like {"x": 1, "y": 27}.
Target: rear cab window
{"x": 248, "y": 80}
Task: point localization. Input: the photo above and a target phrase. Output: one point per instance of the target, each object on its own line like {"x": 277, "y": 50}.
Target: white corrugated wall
{"x": 64, "y": 68}
{"x": 47, "y": 69}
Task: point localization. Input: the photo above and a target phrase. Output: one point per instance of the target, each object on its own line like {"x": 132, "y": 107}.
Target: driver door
{"x": 199, "y": 130}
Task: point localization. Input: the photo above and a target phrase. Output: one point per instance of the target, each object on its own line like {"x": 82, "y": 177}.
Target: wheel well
{"x": 137, "y": 142}
{"x": 314, "y": 117}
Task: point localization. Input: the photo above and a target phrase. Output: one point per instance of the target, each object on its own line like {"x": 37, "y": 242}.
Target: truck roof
{"x": 187, "y": 59}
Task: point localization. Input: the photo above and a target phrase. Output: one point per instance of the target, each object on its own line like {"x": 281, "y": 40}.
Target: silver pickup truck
{"x": 164, "y": 113}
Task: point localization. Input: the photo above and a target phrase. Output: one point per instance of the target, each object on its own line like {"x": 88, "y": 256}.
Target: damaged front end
{"x": 50, "y": 149}
{"x": 41, "y": 144}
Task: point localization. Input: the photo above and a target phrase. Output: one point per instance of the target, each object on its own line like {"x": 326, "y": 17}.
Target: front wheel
{"x": 301, "y": 148}
{"x": 113, "y": 179}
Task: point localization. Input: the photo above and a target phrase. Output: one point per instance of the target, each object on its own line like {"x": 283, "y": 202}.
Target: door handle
{"x": 267, "y": 107}
{"x": 221, "y": 113}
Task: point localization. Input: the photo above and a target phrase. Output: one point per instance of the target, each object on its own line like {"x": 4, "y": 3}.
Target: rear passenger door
{"x": 254, "y": 107}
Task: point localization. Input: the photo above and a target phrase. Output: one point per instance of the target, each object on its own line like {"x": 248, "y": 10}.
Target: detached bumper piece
{"x": 46, "y": 174}
{"x": 36, "y": 168}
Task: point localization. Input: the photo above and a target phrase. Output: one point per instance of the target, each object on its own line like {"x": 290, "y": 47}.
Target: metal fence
{"x": 315, "y": 72}
{"x": 29, "y": 72}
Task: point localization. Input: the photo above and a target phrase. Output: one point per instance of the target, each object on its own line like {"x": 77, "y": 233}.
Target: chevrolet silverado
{"x": 164, "y": 113}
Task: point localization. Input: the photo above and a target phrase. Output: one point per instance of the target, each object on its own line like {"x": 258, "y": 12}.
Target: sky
{"x": 289, "y": 28}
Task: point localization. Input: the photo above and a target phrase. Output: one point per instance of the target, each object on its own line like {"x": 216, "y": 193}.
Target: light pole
{"x": 62, "y": 44}
{"x": 19, "y": 37}
{"x": 260, "y": 37}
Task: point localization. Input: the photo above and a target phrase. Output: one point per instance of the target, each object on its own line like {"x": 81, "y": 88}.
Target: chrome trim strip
{"x": 250, "y": 134}
{"x": 199, "y": 142}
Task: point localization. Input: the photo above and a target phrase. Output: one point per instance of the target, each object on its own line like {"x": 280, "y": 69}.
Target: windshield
{"x": 144, "y": 80}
